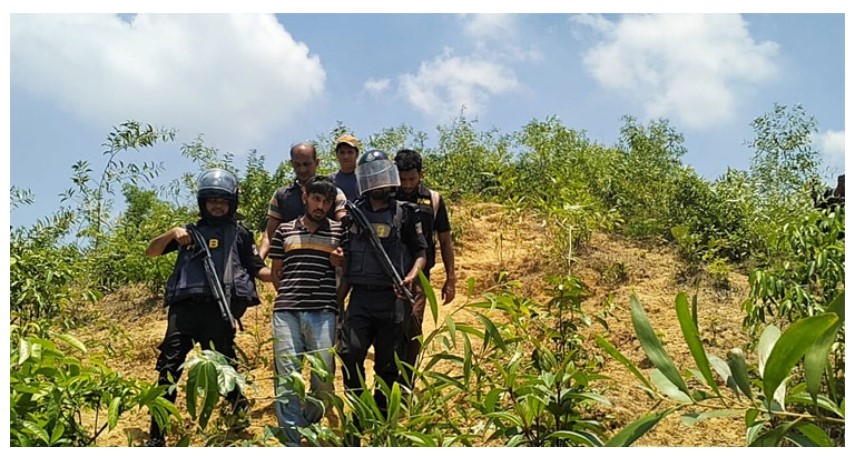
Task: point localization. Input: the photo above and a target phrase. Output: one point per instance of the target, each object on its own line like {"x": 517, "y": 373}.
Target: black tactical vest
{"x": 188, "y": 279}
{"x": 427, "y": 213}
{"x": 364, "y": 268}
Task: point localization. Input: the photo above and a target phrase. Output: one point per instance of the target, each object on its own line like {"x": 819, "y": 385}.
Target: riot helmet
{"x": 375, "y": 170}
{"x": 217, "y": 183}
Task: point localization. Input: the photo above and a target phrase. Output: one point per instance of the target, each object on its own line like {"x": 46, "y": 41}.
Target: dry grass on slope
{"x": 133, "y": 322}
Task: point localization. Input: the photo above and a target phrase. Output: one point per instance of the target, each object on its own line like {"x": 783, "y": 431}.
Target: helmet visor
{"x": 377, "y": 174}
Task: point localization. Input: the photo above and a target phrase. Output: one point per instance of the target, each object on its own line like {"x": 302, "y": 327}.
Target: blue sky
{"x": 265, "y": 81}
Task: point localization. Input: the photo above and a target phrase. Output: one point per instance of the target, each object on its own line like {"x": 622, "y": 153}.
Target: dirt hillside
{"x": 132, "y": 322}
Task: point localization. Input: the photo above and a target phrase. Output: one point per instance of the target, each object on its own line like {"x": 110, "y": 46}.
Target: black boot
{"x": 156, "y": 436}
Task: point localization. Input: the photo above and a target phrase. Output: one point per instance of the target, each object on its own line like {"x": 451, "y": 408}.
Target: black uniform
{"x": 194, "y": 315}
{"x": 430, "y": 224}
{"x": 374, "y": 315}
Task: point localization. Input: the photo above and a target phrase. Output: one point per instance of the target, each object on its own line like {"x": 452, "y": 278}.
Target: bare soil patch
{"x": 131, "y": 322}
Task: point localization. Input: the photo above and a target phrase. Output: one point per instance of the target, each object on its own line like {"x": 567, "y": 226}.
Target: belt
{"x": 374, "y": 287}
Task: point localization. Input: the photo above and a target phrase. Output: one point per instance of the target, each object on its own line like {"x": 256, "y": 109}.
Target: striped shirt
{"x": 286, "y": 204}
{"x": 308, "y": 280}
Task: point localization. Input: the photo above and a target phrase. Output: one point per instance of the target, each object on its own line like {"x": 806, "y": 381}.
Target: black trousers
{"x": 373, "y": 318}
{"x": 414, "y": 346}
{"x": 189, "y": 322}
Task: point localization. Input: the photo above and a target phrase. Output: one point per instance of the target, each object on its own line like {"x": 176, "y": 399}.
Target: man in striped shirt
{"x": 305, "y": 253}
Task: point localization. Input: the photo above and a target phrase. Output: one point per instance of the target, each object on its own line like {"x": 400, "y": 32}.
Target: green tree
{"x": 92, "y": 195}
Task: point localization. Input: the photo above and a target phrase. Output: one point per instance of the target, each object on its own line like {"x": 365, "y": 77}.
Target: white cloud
{"x": 376, "y": 86}
{"x": 497, "y": 37}
{"x": 495, "y": 27}
{"x": 233, "y": 77}
{"x": 831, "y": 147}
{"x": 691, "y": 68}
{"x": 444, "y": 85}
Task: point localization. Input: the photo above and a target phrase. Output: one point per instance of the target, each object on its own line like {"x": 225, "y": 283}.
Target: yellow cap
{"x": 349, "y": 140}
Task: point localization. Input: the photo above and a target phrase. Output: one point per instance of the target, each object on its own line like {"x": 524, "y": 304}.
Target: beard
{"x": 314, "y": 217}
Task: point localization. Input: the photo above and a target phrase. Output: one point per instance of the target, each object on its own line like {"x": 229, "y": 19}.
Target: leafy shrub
{"x": 467, "y": 162}
{"x": 50, "y": 391}
{"x": 520, "y": 378}
{"x": 44, "y": 277}
{"x": 121, "y": 260}
{"x": 807, "y": 272}
{"x": 785, "y": 404}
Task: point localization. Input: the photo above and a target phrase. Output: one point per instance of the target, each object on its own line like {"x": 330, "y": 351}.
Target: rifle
{"x": 211, "y": 274}
{"x": 361, "y": 220}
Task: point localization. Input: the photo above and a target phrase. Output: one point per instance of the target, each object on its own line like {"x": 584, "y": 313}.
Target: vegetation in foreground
{"x": 524, "y": 374}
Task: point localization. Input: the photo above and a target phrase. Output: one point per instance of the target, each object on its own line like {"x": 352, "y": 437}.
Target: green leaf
{"x": 636, "y": 429}
{"x": 576, "y": 437}
{"x": 822, "y": 402}
{"x": 668, "y": 388}
{"x": 695, "y": 310}
{"x": 815, "y": 434}
{"x": 70, "y": 340}
{"x": 490, "y": 400}
{"x": 490, "y": 332}
{"x": 429, "y": 296}
{"x": 773, "y": 437}
{"x": 749, "y": 418}
{"x": 193, "y": 386}
{"x": 791, "y": 347}
{"x": 57, "y": 433}
{"x": 113, "y": 412}
{"x": 37, "y": 430}
{"x": 753, "y": 431}
{"x": 604, "y": 344}
{"x": 23, "y": 351}
{"x": 211, "y": 391}
{"x": 690, "y": 329}
{"x": 394, "y": 406}
{"x": 653, "y": 347}
{"x": 229, "y": 379}
{"x": 816, "y": 357}
{"x": 450, "y": 323}
{"x": 468, "y": 357}
{"x": 693, "y": 418}
{"x": 766, "y": 343}
{"x": 721, "y": 368}
{"x": 739, "y": 372}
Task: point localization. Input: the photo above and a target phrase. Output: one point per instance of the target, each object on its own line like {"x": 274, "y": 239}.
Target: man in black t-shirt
{"x": 432, "y": 212}
{"x": 287, "y": 202}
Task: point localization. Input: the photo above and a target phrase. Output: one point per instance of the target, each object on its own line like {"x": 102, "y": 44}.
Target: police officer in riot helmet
{"x": 194, "y": 314}
{"x": 376, "y": 314}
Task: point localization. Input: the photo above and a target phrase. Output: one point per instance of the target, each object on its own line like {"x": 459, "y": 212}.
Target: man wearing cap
{"x": 347, "y": 150}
